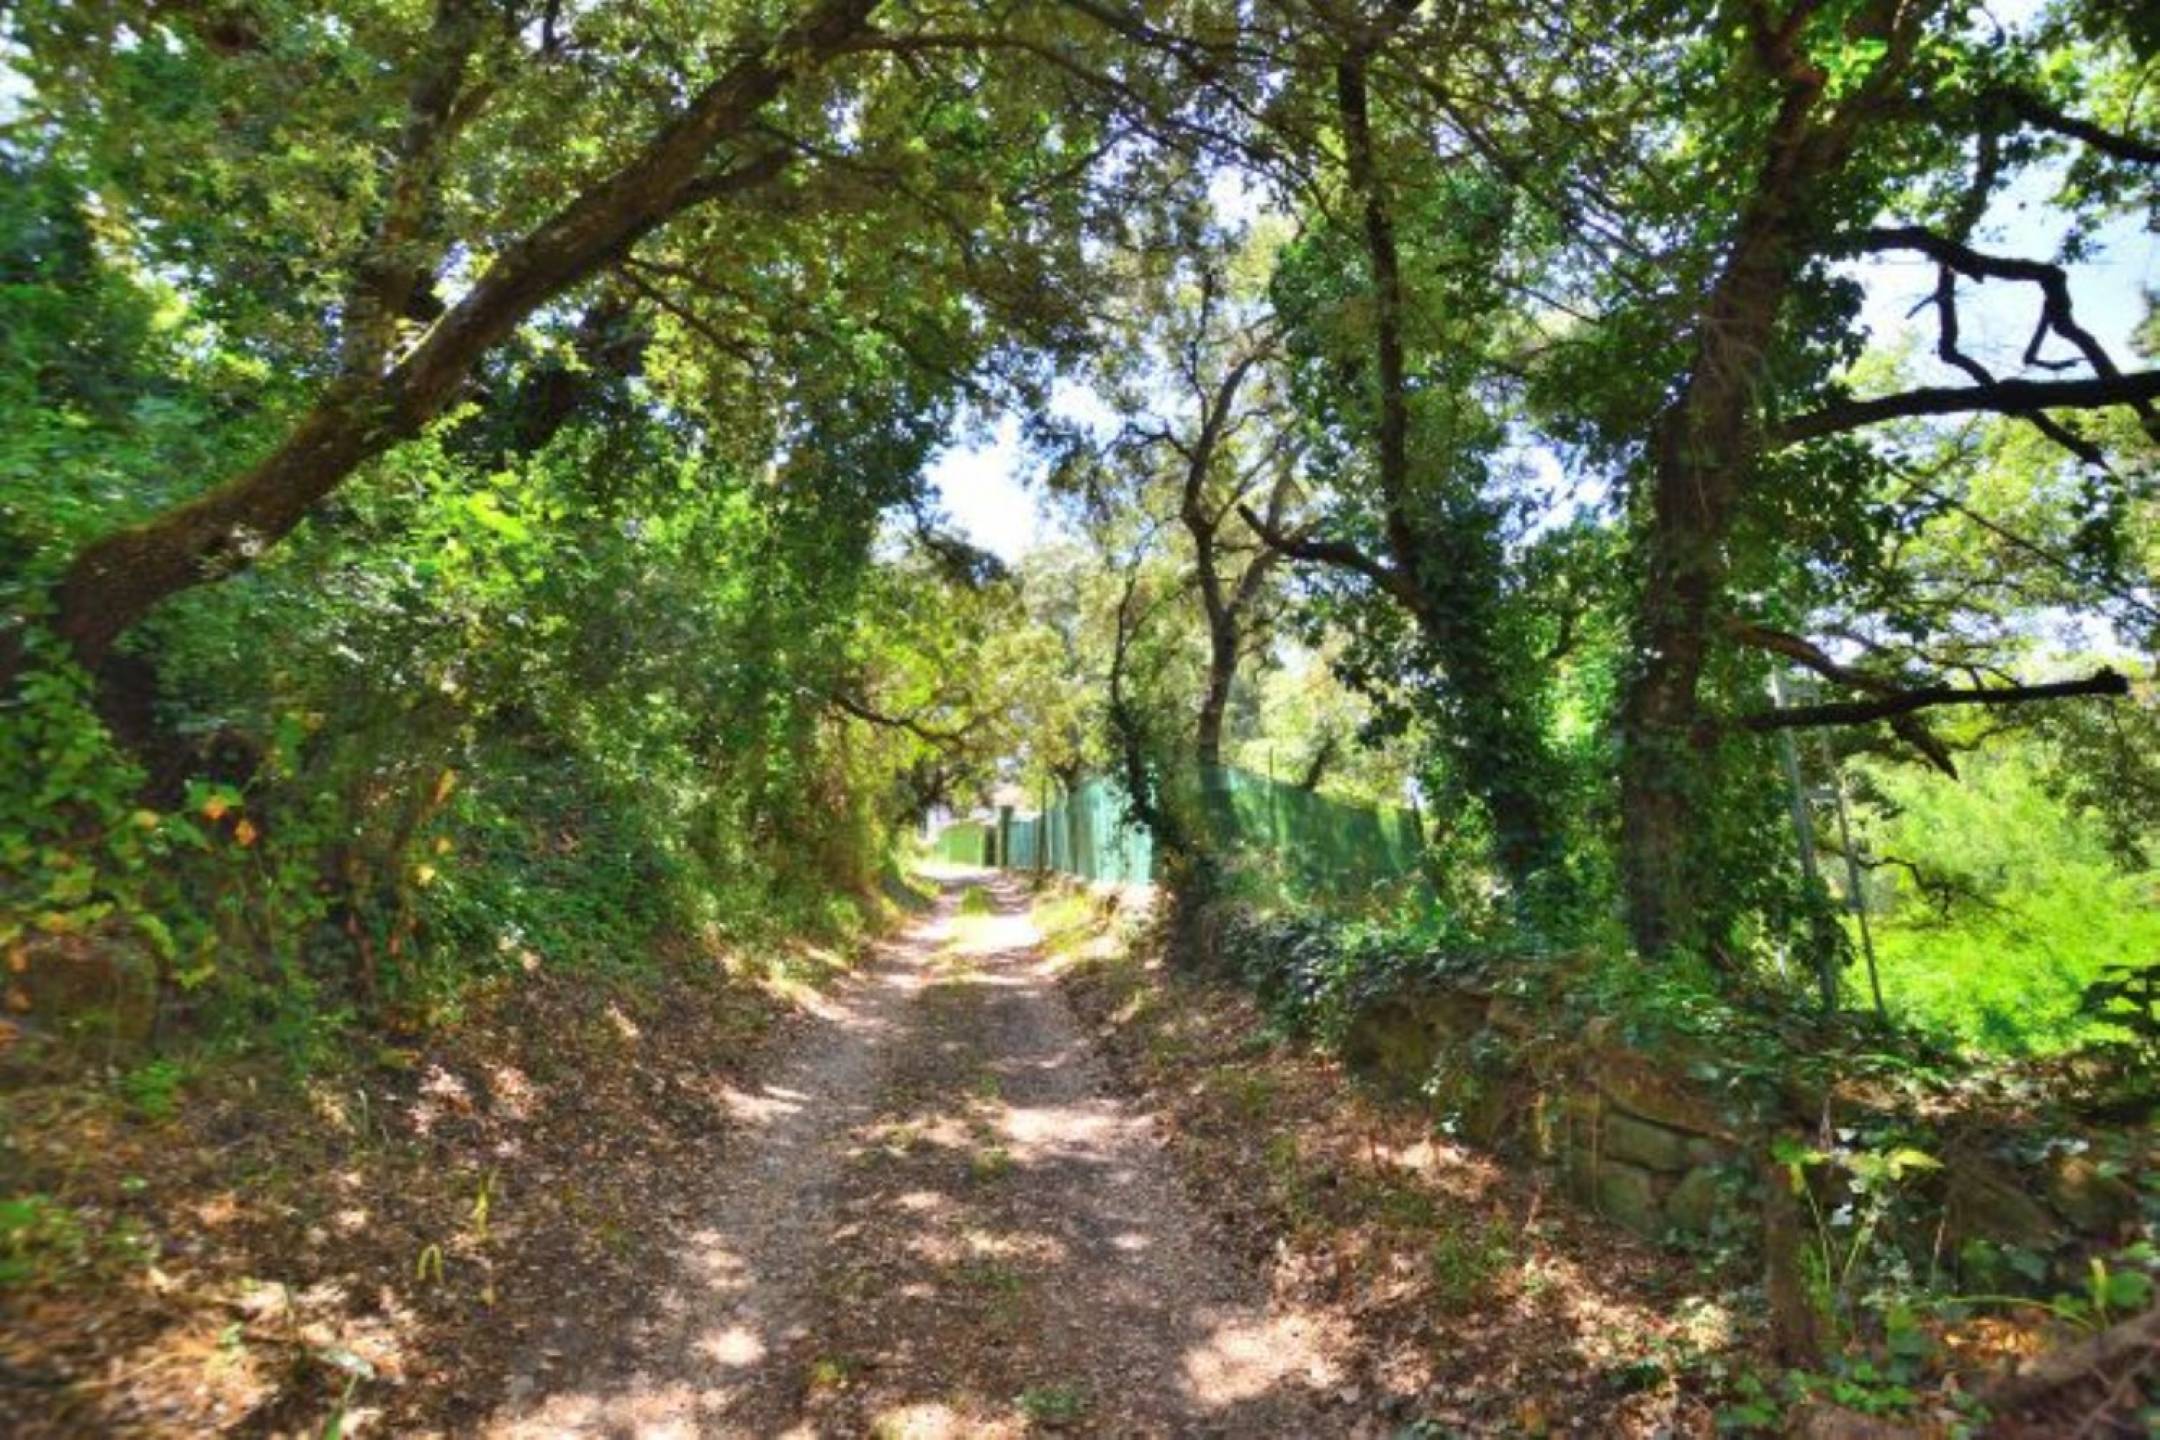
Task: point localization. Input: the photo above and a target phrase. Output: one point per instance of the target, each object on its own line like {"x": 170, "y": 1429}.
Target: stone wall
{"x": 1631, "y": 1135}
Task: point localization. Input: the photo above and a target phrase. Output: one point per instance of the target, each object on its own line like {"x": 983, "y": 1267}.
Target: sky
{"x": 980, "y": 485}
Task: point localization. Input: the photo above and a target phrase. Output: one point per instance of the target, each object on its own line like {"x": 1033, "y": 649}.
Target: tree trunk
{"x": 1447, "y": 574}
{"x": 116, "y": 580}
{"x": 1796, "y": 1324}
{"x": 1706, "y": 444}
{"x": 1222, "y": 672}
{"x": 1704, "y": 454}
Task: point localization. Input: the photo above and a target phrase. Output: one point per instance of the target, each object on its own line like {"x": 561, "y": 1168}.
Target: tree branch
{"x": 2004, "y": 397}
{"x": 913, "y": 725}
{"x": 2040, "y": 115}
{"x": 1909, "y": 728}
{"x": 395, "y": 266}
{"x": 1339, "y": 553}
{"x": 2028, "y": 399}
{"x": 1905, "y": 702}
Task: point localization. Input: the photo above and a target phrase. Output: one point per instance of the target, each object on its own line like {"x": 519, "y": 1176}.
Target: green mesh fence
{"x": 1300, "y": 843}
{"x": 1290, "y": 840}
{"x": 966, "y": 842}
{"x": 1086, "y": 834}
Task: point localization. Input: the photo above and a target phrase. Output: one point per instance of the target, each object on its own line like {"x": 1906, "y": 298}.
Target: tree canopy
{"x": 413, "y": 404}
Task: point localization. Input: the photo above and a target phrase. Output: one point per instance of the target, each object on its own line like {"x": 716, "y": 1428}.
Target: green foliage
{"x": 1465, "y": 1259}
{"x": 1848, "y": 1260}
{"x": 2011, "y": 908}
{"x": 2127, "y": 998}
{"x": 40, "y": 1241}
{"x": 152, "y": 1089}
{"x": 506, "y": 705}
{"x": 1316, "y": 973}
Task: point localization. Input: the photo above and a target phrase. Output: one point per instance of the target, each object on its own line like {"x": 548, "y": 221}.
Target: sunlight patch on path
{"x": 1246, "y": 1357}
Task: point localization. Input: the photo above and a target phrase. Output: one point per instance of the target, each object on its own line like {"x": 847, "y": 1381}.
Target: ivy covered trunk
{"x": 1448, "y": 565}
{"x": 1706, "y": 444}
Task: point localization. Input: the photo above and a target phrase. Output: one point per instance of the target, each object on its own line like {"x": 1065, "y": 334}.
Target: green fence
{"x": 965, "y": 842}
{"x": 1300, "y": 843}
{"x": 1306, "y": 844}
{"x": 1086, "y": 834}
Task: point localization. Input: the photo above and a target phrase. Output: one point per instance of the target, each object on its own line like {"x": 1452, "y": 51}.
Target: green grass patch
{"x": 1053, "y": 1404}
{"x": 1464, "y": 1261}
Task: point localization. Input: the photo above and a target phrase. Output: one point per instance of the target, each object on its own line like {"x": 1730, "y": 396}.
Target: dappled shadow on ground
{"x": 382, "y": 1236}
{"x": 1467, "y": 1298}
{"x": 938, "y": 1220}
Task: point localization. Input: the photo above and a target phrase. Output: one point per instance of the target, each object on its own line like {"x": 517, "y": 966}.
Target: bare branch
{"x": 912, "y": 724}
{"x": 1905, "y": 702}
{"x": 2040, "y": 115}
{"x": 2025, "y": 398}
{"x": 2004, "y": 397}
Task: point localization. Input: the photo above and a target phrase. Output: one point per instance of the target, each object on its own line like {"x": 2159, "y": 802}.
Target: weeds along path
{"x": 939, "y": 1220}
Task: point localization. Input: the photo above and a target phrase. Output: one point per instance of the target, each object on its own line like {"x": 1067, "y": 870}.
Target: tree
{"x": 1394, "y": 351}
{"x": 1826, "y": 100}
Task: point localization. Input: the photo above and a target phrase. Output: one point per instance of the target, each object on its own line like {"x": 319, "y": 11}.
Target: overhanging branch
{"x": 2040, "y": 115}
{"x": 2028, "y": 399}
{"x": 1910, "y": 728}
{"x": 1906, "y": 702}
{"x": 862, "y": 710}
{"x": 2004, "y": 397}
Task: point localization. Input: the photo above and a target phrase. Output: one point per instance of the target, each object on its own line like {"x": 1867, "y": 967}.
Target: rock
{"x": 1640, "y": 1086}
{"x": 1511, "y": 1016}
{"x": 1708, "y": 1152}
{"x": 1983, "y": 1202}
{"x": 1398, "y": 1041}
{"x": 1694, "y": 1202}
{"x": 91, "y": 986}
{"x": 1393, "y": 1043}
{"x": 2094, "y": 1203}
{"x": 1638, "y": 1142}
{"x": 1491, "y": 1112}
{"x": 1628, "y": 1195}
{"x": 1820, "y": 1420}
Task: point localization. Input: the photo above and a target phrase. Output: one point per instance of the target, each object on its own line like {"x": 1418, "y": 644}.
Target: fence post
{"x": 1826, "y": 979}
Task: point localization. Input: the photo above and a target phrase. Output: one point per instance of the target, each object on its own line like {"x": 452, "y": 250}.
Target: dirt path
{"x": 938, "y": 1220}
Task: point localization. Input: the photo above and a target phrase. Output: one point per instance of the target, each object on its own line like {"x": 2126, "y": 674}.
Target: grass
{"x": 40, "y": 1239}
{"x": 994, "y": 1277}
{"x": 830, "y": 1372}
{"x": 976, "y": 901}
{"x": 1464, "y": 1261}
{"x": 1053, "y": 1404}
{"x": 152, "y": 1089}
